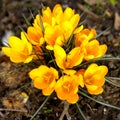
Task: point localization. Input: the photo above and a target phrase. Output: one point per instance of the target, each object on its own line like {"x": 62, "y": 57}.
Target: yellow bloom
{"x": 67, "y": 88}
{"x": 80, "y": 74}
{"x": 58, "y": 25}
{"x": 44, "y": 78}
{"x": 82, "y": 37}
{"x": 38, "y": 22}
{"x": 94, "y": 50}
{"x": 69, "y": 22}
{"x": 53, "y": 36}
{"x": 64, "y": 61}
{"x": 20, "y": 50}
{"x": 58, "y": 13}
{"x": 35, "y": 36}
{"x": 47, "y": 15}
{"x": 94, "y": 78}
{"x": 34, "y": 32}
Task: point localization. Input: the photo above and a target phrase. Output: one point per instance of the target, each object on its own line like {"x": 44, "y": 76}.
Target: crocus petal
{"x": 73, "y": 99}
{"x": 92, "y": 87}
{"x": 74, "y": 57}
{"x": 34, "y": 73}
{"x": 94, "y": 78}
{"x": 47, "y": 15}
{"x": 15, "y": 43}
{"x": 90, "y": 70}
{"x": 68, "y": 13}
{"x": 34, "y": 35}
{"x": 60, "y": 56}
{"x": 78, "y": 29}
{"x": 24, "y": 37}
{"x": 80, "y": 80}
{"x": 7, "y": 51}
{"x": 102, "y": 50}
{"x": 69, "y": 72}
{"x": 96, "y": 92}
{"x": 39, "y": 83}
{"x": 74, "y": 20}
{"x": 57, "y": 9}
{"x": 28, "y": 59}
{"x": 47, "y": 91}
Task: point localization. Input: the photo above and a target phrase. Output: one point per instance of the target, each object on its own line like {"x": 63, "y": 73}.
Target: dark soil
{"x": 14, "y": 78}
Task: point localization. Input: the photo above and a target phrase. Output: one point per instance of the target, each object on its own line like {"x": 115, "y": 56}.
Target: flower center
{"x": 67, "y": 87}
{"x": 48, "y": 78}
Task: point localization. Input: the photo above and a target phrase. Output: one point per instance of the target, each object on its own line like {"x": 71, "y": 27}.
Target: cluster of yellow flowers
{"x": 56, "y": 38}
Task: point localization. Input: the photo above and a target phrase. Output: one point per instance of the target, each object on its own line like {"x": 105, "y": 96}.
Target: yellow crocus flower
{"x": 35, "y": 33}
{"x": 35, "y": 36}
{"x": 58, "y": 25}
{"x": 19, "y": 50}
{"x": 44, "y": 78}
{"x": 67, "y": 88}
{"x": 94, "y": 78}
{"x": 73, "y": 58}
{"x": 83, "y": 36}
{"x": 93, "y": 50}
{"x": 53, "y": 36}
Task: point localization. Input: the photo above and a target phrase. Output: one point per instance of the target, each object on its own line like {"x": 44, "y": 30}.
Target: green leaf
{"x": 113, "y": 78}
{"x": 81, "y": 112}
{"x": 39, "y": 108}
{"x": 28, "y": 23}
{"x": 97, "y": 101}
{"x": 110, "y": 81}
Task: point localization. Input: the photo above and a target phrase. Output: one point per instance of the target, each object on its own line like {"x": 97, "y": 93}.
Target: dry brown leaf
{"x": 117, "y": 21}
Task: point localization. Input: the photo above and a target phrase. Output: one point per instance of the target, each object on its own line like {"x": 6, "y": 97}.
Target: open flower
{"x": 20, "y": 50}
{"x": 93, "y": 50}
{"x": 73, "y": 58}
{"x": 94, "y": 78}
{"x": 44, "y": 78}
{"x": 67, "y": 88}
{"x": 83, "y": 36}
{"x": 53, "y": 36}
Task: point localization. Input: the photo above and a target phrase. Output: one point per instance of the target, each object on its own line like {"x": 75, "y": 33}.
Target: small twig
{"x": 93, "y": 15}
{"x": 65, "y": 111}
{"x": 12, "y": 110}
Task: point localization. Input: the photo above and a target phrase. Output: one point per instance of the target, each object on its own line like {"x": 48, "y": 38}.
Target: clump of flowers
{"x": 60, "y": 47}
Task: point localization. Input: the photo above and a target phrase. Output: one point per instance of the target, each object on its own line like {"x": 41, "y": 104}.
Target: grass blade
{"x": 97, "y": 101}
{"x": 113, "y": 78}
{"x": 27, "y": 21}
{"x": 113, "y": 83}
{"x": 81, "y": 112}
{"x": 39, "y": 108}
